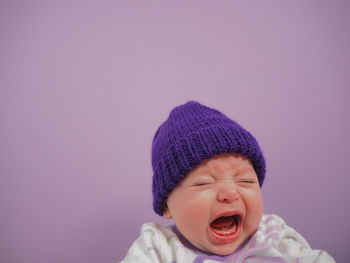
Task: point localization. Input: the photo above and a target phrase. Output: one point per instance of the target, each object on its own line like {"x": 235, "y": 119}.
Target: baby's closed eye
{"x": 202, "y": 183}
{"x": 247, "y": 179}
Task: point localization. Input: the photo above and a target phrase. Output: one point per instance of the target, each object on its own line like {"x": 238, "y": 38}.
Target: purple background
{"x": 85, "y": 85}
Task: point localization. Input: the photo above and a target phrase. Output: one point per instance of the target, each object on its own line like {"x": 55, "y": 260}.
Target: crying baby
{"x": 207, "y": 177}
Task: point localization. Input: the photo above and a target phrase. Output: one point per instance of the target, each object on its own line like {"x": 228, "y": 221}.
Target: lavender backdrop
{"x": 84, "y": 86}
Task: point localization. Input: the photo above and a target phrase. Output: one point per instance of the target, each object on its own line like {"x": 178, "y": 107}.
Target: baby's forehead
{"x": 223, "y": 162}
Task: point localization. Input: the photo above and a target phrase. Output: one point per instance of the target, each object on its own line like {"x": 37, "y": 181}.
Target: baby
{"x": 208, "y": 171}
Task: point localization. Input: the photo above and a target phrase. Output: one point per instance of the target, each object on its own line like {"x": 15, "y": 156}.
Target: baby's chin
{"x": 224, "y": 250}
{"x": 220, "y": 250}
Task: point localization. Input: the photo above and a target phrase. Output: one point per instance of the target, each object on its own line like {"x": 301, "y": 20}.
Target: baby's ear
{"x": 166, "y": 213}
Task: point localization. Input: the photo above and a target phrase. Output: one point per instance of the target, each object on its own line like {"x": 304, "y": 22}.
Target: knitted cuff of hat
{"x": 191, "y": 134}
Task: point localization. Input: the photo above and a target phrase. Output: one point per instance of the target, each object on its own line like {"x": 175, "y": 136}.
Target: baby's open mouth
{"x": 226, "y": 225}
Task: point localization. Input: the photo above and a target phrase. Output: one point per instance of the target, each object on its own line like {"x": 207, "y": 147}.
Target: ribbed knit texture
{"x": 191, "y": 134}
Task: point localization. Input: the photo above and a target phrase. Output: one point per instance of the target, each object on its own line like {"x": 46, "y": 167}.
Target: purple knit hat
{"x": 191, "y": 134}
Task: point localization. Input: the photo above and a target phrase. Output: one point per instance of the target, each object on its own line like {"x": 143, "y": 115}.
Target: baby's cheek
{"x": 254, "y": 211}
{"x": 193, "y": 219}
{"x": 197, "y": 207}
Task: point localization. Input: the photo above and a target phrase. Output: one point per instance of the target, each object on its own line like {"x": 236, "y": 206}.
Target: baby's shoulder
{"x": 163, "y": 242}
{"x": 274, "y": 227}
{"x": 271, "y": 219}
{"x": 157, "y": 233}
{"x": 273, "y": 233}
{"x": 153, "y": 228}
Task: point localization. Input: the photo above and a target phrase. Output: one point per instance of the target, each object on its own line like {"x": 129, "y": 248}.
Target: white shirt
{"x": 274, "y": 241}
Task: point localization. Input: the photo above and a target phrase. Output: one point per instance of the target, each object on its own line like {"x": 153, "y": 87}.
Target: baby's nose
{"x": 227, "y": 193}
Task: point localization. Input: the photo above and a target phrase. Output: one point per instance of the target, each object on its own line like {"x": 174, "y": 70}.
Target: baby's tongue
{"x": 224, "y": 222}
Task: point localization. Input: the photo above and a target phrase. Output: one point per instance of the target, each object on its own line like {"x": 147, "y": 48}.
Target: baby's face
{"x": 218, "y": 205}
